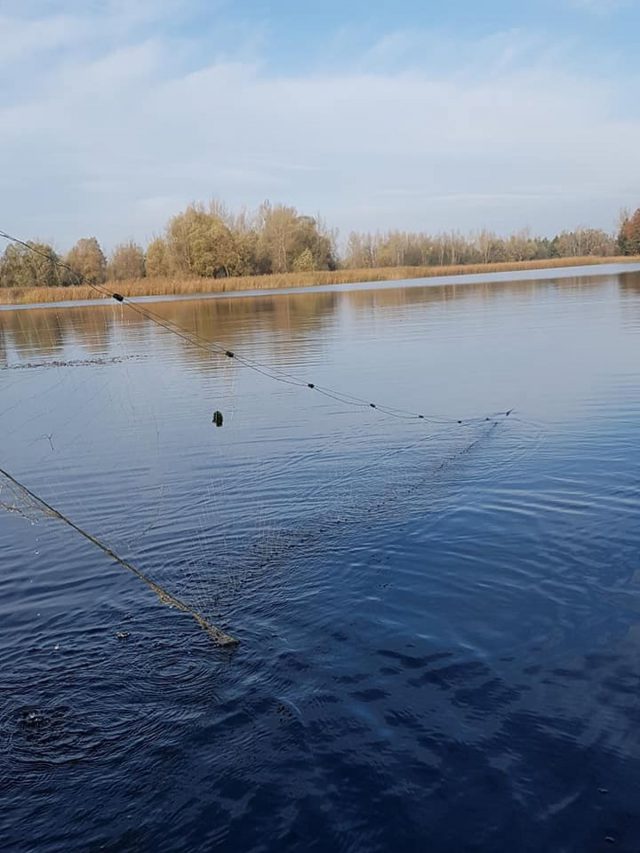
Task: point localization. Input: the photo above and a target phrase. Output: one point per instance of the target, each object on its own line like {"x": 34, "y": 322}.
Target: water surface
{"x": 439, "y": 622}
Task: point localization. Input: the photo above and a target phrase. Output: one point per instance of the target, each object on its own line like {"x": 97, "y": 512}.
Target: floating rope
{"x": 218, "y": 636}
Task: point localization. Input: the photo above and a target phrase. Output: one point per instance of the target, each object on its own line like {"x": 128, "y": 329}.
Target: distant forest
{"x": 212, "y": 241}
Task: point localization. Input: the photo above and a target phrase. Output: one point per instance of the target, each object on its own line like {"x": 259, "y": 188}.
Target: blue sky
{"x": 420, "y": 115}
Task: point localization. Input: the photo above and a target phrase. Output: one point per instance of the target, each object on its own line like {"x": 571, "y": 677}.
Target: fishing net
{"x": 197, "y": 445}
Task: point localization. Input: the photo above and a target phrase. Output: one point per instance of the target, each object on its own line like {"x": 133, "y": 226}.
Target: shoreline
{"x": 150, "y": 290}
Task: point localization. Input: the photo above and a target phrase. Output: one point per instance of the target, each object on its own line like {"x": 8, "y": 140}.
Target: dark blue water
{"x": 439, "y": 622}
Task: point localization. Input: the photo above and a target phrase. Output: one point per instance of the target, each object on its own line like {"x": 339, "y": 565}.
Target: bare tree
{"x": 126, "y": 262}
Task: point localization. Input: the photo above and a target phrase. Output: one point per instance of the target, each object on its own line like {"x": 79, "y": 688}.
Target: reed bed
{"x": 195, "y": 286}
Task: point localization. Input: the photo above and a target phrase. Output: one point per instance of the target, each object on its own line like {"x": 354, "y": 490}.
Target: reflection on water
{"x": 439, "y": 630}
{"x": 48, "y": 330}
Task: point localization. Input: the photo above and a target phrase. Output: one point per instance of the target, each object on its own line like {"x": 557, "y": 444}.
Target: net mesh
{"x": 109, "y": 417}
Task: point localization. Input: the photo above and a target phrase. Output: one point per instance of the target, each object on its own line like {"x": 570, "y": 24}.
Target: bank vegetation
{"x": 193, "y": 286}
{"x": 209, "y": 248}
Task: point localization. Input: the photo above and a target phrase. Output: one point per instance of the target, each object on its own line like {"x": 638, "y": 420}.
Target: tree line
{"x": 212, "y": 241}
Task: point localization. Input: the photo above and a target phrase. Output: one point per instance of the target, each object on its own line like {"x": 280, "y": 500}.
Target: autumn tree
{"x": 583, "y": 242}
{"x": 126, "y": 262}
{"x": 246, "y": 243}
{"x": 213, "y": 240}
{"x": 284, "y": 235}
{"x": 304, "y": 262}
{"x": 520, "y": 246}
{"x": 21, "y": 266}
{"x": 361, "y": 251}
{"x": 244, "y": 227}
{"x": 201, "y": 244}
{"x": 87, "y": 260}
{"x": 629, "y": 235}
{"x": 311, "y": 237}
{"x": 157, "y": 261}
{"x": 277, "y": 238}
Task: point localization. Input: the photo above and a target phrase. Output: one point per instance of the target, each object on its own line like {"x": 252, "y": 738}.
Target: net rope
{"x": 327, "y": 492}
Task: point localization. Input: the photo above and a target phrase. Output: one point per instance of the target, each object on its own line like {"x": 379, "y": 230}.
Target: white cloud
{"x": 114, "y": 140}
{"x": 20, "y": 38}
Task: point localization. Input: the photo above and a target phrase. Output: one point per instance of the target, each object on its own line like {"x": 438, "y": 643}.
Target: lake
{"x": 439, "y": 618}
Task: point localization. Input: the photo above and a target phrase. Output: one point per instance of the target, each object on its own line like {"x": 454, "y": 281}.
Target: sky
{"x": 410, "y": 114}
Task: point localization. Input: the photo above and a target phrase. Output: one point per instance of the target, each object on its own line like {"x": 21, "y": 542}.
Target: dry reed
{"x": 195, "y": 286}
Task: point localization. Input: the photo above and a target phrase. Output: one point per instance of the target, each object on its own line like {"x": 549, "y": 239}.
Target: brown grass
{"x": 195, "y": 286}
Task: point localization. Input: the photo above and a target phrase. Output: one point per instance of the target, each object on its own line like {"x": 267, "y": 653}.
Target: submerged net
{"x": 199, "y": 468}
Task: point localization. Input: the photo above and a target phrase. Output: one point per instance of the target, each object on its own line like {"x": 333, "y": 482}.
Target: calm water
{"x": 439, "y": 622}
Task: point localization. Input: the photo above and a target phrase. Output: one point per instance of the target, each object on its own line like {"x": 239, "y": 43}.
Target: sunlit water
{"x": 439, "y": 622}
